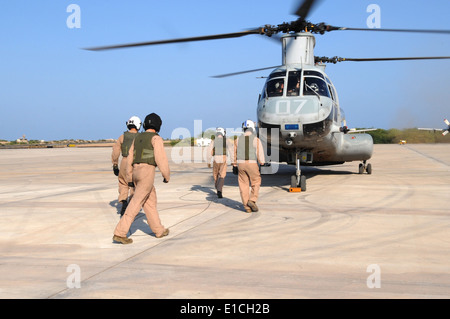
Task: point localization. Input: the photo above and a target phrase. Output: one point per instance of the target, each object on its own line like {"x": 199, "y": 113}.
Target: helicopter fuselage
{"x": 298, "y": 111}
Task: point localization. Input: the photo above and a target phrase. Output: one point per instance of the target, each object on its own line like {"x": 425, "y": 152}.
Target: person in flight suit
{"x": 248, "y": 151}
{"x": 121, "y": 147}
{"x": 218, "y": 151}
{"x": 146, "y": 153}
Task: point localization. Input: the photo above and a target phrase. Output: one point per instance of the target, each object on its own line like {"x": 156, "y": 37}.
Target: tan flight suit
{"x": 217, "y": 151}
{"x": 143, "y": 176}
{"x": 121, "y": 147}
{"x": 247, "y": 158}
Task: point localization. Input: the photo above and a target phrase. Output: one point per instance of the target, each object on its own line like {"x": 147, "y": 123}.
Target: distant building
{"x": 22, "y": 140}
{"x": 203, "y": 141}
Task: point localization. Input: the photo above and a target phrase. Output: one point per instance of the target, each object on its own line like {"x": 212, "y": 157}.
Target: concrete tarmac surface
{"x": 384, "y": 235}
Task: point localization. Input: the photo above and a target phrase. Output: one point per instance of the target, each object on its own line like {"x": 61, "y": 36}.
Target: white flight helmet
{"x": 220, "y": 130}
{"x": 134, "y": 121}
{"x": 249, "y": 124}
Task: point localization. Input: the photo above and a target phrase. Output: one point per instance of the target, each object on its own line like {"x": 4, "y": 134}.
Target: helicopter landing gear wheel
{"x": 365, "y": 168}
{"x": 302, "y": 183}
{"x": 295, "y": 183}
{"x": 361, "y": 168}
{"x": 298, "y": 181}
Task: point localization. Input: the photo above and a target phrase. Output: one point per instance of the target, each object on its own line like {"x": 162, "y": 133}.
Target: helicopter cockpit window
{"x": 313, "y": 86}
{"x": 277, "y": 74}
{"x": 315, "y": 73}
{"x": 293, "y": 88}
{"x": 331, "y": 92}
{"x": 275, "y": 87}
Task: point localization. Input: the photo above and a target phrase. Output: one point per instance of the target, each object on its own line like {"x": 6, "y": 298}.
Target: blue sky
{"x": 51, "y": 89}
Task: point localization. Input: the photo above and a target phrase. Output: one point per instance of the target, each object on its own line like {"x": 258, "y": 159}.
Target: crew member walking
{"x": 219, "y": 150}
{"x": 122, "y": 147}
{"x": 147, "y": 152}
{"x": 248, "y": 151}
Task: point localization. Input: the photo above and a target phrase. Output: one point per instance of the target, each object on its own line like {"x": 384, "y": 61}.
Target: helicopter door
{"x": 335, "y": 101}
{"x": 335, "y": 106}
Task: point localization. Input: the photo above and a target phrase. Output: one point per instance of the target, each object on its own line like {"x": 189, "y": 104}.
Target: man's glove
{"x": 131, "y": 184}
{"x": 116, "y": 170}
{"x": 235, "y": 170}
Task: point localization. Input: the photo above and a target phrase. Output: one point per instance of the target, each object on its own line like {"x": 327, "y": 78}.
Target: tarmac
{"x": 378, "y": 236}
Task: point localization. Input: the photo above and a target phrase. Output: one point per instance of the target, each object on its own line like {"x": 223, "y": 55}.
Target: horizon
{"x": 424, "y": 133}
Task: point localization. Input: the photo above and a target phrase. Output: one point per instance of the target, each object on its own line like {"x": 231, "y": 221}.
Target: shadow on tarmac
{"x": 115, "y": 204}
{"x": 282, "y": 177}
{"x": 212, "y": 195}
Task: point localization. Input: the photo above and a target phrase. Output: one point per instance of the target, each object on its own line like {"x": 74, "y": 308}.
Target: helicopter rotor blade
{"x": 300, "y": 25}
{"x": 339, "y": 59}
{"x": 445, "y": 132}
{"x": 178, "y": 40}
{"x": 394, "y": 30}
{"x": 429, "y": 129}
{"x": 304, "y": 8}
{"x": 243, "y": 72}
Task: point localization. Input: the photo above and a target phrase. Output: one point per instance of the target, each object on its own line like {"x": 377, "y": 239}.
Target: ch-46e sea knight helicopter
{"x": 298, "y": 109}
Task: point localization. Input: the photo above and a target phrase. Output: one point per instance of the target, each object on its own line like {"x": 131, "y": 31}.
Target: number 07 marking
{"x": 284, "y": 107}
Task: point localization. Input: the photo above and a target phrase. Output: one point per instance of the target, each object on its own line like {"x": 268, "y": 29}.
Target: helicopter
{"x": 299, "y": 118}
{"x": 444, "y": 131}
